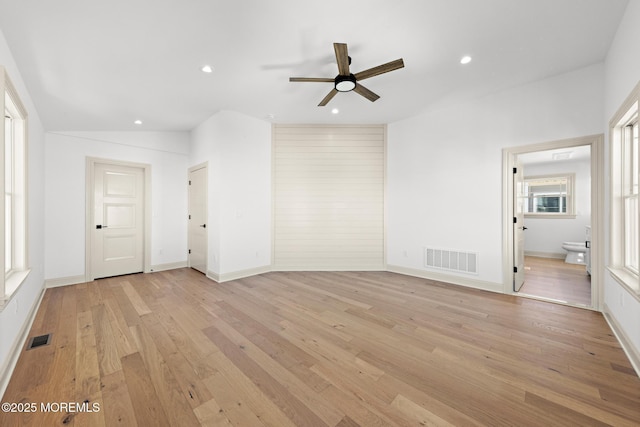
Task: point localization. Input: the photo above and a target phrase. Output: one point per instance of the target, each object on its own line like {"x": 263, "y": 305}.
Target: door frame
{"x": 205, "y": 166}
{"x": 89, "y": 205}
{"x": 509, "y": 155}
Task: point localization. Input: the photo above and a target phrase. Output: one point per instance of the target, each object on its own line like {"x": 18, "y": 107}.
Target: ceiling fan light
{"x": 345, "y": 83}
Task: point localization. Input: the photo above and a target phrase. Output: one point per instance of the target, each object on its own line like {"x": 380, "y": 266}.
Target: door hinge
{"x": 515, "y": 269}
{"x": 515, "y": 220}
{"x": 189, "y": 216}
{"x": 515, "y": 170}
{"x": 189, "y": 182}
{"x": 189, "y": 250}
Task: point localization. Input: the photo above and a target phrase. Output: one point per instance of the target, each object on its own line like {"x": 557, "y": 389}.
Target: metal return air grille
{"x": 444, "y": 259}
{"x": 39, "y": 341}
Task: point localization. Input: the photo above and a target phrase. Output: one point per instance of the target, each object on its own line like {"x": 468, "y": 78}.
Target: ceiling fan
{"x": 345, "y": 81}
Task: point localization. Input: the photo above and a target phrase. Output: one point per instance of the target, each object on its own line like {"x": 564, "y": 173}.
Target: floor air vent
{"x": 39, "y": 341}
{"x": 466, "y": 262}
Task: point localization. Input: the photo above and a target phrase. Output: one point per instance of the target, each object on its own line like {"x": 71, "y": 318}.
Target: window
{"x": 13, "y": 175}
{"x": 549, "y": 196}
{"x": 625, "y": 222}
{"x": 8, "y": 192}
{"x": 630, "y": 194}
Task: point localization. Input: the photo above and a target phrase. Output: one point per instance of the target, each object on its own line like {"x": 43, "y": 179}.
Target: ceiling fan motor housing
{"x": 345, "y": 83}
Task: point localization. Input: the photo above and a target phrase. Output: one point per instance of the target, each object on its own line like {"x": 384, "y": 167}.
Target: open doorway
{"x": 556, "y": 198}
{"x": 553, "y": 221}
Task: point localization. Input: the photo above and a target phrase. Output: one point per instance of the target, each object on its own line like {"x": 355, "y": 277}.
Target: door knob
{"x": 204, "y": 226}
{"x": 99, "y": 227}
{"x": 524, "y": 228}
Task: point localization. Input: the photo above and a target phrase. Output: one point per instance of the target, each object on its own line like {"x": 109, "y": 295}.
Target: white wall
{"x": 238, "y": 151}
{"x": 622, "y": 74}
{"x": 445, "y": 167}
{"x": 546, "y": 235}
{"x": 328, "y": 197}
{"x": 14, "y": 317}
{"x": 65, "y": 158}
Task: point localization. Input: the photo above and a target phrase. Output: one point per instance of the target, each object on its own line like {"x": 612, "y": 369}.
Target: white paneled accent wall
{"x": 329, "y": 189}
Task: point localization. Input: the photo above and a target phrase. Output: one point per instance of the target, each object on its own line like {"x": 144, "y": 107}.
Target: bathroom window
{"x": 625, "y": 221}
{"x": 550, "y": 196}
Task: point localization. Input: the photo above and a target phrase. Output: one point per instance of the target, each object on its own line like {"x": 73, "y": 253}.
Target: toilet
{"x": 575, "y": 252}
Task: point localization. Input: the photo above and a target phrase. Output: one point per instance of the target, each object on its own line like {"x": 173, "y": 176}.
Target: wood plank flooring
{"x": 555, "y": 279}
{"x": 317, "y": 349}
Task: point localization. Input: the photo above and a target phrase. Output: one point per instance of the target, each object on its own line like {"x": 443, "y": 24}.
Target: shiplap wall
{"x": 329, "y": 184}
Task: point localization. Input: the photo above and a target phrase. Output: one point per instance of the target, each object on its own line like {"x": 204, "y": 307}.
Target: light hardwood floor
{"x": 318, "y": 349}
{"x": 555, "y": 279}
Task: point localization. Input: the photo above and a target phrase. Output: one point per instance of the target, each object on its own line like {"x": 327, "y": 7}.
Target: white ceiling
{"x": 100, "y": 65}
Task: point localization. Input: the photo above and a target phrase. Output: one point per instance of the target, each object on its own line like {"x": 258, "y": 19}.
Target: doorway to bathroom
{"x": 552, "y": 200}
{"x": 556, "y": 200}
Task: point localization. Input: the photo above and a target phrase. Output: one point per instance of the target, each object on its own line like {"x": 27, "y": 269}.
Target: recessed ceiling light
{"x": 465, "y": 60}
{"x": 335, "y": 111}
{"x": 138, "y": 122}
{"x": 207, "y": 69}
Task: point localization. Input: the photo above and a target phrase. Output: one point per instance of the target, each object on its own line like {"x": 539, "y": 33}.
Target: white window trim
{"x": 616, "y": 266}
{"x": 10, "y": 282}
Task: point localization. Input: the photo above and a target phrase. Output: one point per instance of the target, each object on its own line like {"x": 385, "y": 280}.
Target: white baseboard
{"x": 64, "y": 281}
{"x": 632, "y": 353}
{"x": 74, "y": 280}
{"x": 168, "y": 266}
{"x": 555, "y": 255}
{"x": 448, "y": 278}
{"x": 10, "y": 364}
{"x": 234, "y": 275}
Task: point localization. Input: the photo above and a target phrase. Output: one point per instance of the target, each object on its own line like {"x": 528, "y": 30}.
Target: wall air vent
{"x": 39, "y": 341}
{"x": 444, "y": 259}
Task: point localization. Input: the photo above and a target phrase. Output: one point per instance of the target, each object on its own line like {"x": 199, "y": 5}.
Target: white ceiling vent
{"x": 444, "y": 259}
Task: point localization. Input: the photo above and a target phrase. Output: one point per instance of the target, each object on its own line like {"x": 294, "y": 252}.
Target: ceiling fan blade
{"x": 380, "y": 69}
{"x": 365, "y": 92}
{"x": 311, "y": 79}
{"x": 342, "y": 57}
{"x": 328, "y": 98}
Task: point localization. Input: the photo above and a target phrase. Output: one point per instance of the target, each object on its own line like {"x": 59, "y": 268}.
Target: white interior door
{"x": 198, "y": 219}
{"x": 519, "y": 200}
{"x": 118, "y": 221}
